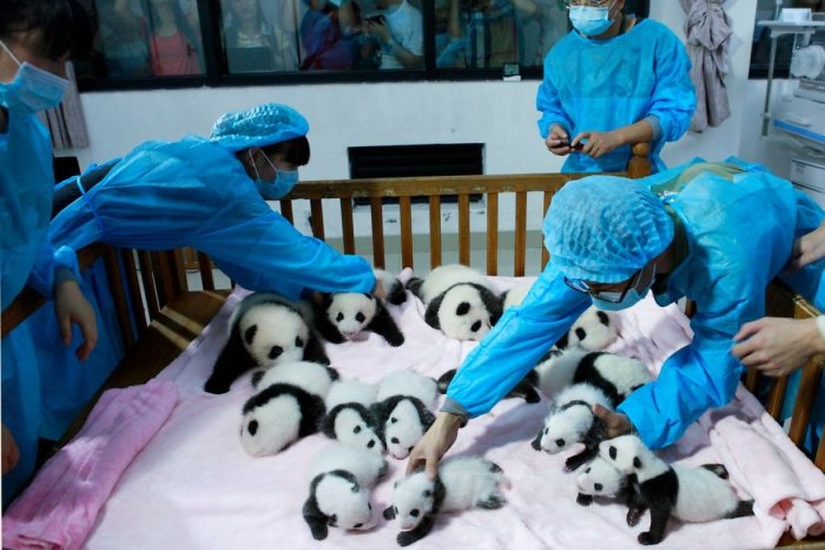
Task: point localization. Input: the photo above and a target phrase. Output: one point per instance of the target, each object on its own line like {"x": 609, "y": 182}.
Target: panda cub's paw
{"x": 584, "y": 500}
{"x": 647, "y": 538}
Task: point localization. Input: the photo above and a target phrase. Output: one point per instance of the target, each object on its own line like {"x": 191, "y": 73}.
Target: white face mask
{"x": 35, "y": 88}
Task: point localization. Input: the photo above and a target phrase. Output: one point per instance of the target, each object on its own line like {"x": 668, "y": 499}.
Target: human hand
{"x": 379, "y": 29}
{"x": 437, "y": 441}
{"x": 11, "y": 454}
{"x": 379, "y": 291}
{"x": 777, "y": 346}
{"x": 597, "y": 143}
{"x": 615, "y": 423}
{"x": 557, "y": 142}
{"x": 71, "y": 306}
{"x": 808, "y": 249}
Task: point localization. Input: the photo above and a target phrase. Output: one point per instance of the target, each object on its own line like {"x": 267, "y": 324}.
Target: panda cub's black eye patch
{"x": 275, "y": 352}
{"x": 357, "y": 526}
{"x": 476, "y": 326}
{"x": 462, "y": 309}
{"x": 393, "y": 420}
{"x": 252, "y": 428}
{"x": 356, "y": 430}
{"x": 612, "y": 452}
{"x": 598, "y": 486}
{"x": 394, "y": 440}
{"x": 339, "y": 317}
{"x": 560, "y": 442}
{"x": 298, "y": 342}
{"x": 360, "y": 317}
{"x": 415, "y": 513}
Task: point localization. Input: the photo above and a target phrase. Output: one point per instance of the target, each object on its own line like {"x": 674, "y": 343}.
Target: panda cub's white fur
{"x": 459, "y": 301}
{"x": 288, "y": 405}
{"x": 462, "y": 483}
{"x": 264, "y": 330}
{"x": 403, "y": 410}
{"x": 515, "y": 296}
{"x": 557, "y": 368}
{"x": 594, "y": 330}
{"x": 349, "y": 418}
{"x": 342, "y": 479}
{"x": 570, "y": 417}
{"x": 689, "y": 494}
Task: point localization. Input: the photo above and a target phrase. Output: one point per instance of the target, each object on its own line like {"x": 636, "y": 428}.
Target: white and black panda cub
{"x": 689, "y": 494}
{"x": 601, "y": 479}
{"x": 403, "y": 410}
{"x": 462, "y": 483}
{"x": 598, "y": 377}
{"x": 459, "y": 301}
{"x": 350, "y": 419}
{"x": 264, "y": 330}
{"x": 340, "y": 317}
{"x": 342, "y": 479}
{"x": 289, "y": 405}
{"x": 594, "y": 330}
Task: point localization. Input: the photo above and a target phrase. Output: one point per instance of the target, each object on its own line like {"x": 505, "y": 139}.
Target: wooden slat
{"x": 464, "y": 229}
{"x": 776, "y": 397}
{"x": 205, "y": 270}
{"x": 149, "y": 290}
{"x": 127, "y": 256}
{"x": 347, "y": 226}
{"x": 435, "y": 231}
{"x": 317, "y": 218}
{"x": 492, "y": 234}
{"x": 545, "y": 255}
{"x": 520, "y": 245}
{"x": 405, "y": 214}
{"x": 119, "y": 297}
{"x": 286, "y": 210}
{"x": 377, "y": 217}
{"x": 805, "y": 397}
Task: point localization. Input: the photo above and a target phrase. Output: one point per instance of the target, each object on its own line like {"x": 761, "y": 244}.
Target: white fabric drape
{"x": 709, "y": 34}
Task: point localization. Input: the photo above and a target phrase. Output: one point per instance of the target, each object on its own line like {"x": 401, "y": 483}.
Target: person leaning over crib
{"x": 685, "y": 232}
{"x": 778, "y": 346}
{"x": 210, "y": 195}
{"x": 610, "y": 83}
{"x": 36, "y": 39}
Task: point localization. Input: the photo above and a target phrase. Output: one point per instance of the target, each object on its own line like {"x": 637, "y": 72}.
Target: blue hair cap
{"x": 605, "y": 228}
{"x": 258, "y": 127}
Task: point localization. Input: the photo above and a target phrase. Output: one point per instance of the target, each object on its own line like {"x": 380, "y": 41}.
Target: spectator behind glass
{"x": 400, "y": 33}
{"x": 321, "y": 37}
{"x": 124, "y": 39}
{"x": 544, "y": 24}
{"x": 253, "y": 44}
{"x": 174, "y": 43}
{"x": 366, "y": 49}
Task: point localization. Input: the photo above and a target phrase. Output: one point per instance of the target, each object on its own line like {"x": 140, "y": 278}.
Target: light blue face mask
{"x": 284, "y": 182}
{"x": 613, "y": 301}
{"x": 590, "y": 21}
{"x": 35, "y": 88}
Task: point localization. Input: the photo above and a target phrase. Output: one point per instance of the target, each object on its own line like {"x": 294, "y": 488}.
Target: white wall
{"x": 502, "y": 115}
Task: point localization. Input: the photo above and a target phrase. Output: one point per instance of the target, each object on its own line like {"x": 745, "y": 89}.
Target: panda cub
{"x": 342, "y": 479}
{"x": 288, "y": 406}
{"x": 340, "y": 317}
{"x": 462, "y": 483}
{"x": 403, "y": 409}
{"x": 602, "y": 479}
{"x": 689, "y": 494}
{"x": 349, "y": 418}
{"x": 459, "y": 301}
{"x": 594, "y": 330}
{"x": 515, "y": 295}
{"x": 265, "y": 330}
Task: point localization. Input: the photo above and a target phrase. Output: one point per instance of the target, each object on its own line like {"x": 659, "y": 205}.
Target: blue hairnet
{"x": 258, "y": 127}
{"x": 605, "y": 228}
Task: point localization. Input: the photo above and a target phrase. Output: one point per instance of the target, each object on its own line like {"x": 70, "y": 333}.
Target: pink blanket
{"x": 58, "y": 510}
{"x": 194, "y": 487}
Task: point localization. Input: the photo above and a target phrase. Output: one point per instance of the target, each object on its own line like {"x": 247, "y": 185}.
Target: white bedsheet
{"x": 193, "y": 487}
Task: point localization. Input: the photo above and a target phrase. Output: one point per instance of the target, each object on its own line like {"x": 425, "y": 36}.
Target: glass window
{"x": 760, "y": 51}
{"x": 260, "y": 36}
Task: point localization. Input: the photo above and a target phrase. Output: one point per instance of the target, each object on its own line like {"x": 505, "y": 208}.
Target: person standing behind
{"x": 401, "y": 33}
{"x": 36, "y": 39}
{"x": 253, "y": 44}
{"x": 610, "y": 83}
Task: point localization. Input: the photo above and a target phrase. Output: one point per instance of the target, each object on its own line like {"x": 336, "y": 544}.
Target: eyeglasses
{"x": 610, "y": 296}
{"x": 588, "y": 3}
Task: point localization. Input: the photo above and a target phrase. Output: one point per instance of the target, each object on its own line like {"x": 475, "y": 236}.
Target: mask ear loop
{"x": 3, "y": 44}
{"x": 254, "y": 165}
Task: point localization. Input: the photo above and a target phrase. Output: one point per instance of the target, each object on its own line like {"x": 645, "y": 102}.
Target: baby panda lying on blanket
{"x": 462, "y": 483}
{"x": 601, "y": 479}
{"x": 350, "y": 419}
{"x": 265, "y": 330}
{"x": 342, "y": 316}
{"x": 459, "y": 301}
{"x": 599, "y": 377}
{"x": 339, "y": 493}
{"x": 288, "y": 405}
{"x": 403, "y": 409}
{"x": 689, "y": 494}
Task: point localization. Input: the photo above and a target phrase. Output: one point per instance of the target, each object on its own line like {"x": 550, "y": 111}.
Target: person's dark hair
{"x": 295, "y": 150}
{"x": 65, "y": 24}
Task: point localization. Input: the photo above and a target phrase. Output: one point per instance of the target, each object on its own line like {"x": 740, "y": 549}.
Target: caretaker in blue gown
{"x": 208, "y": 194}
{"x": 612, "y": 82}
{"x": 685, "y": 232}
{"x": 36, "y": 38}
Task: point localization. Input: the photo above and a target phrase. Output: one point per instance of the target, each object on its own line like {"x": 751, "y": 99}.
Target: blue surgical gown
{"x": 732, "y": 256}
{"x": 195, "y": 193}
{"x": 602, "y": 85}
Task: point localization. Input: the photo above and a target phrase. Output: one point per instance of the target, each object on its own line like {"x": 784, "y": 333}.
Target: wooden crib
{"x": 174, "y": 312}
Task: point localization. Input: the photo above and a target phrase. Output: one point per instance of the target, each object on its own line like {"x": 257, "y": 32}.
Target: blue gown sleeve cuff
{"x": 653, "y": 120}
{"x": 62, "y": 275}
{"x": 454, "y": 407}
